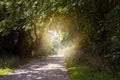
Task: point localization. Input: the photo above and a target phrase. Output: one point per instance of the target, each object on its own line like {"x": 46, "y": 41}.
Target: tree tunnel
{"x": 83, "y": 28}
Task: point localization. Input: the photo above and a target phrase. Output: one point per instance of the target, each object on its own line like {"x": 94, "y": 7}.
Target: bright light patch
{"x": 54, "y": 34}
{"x": 55, "y": 40}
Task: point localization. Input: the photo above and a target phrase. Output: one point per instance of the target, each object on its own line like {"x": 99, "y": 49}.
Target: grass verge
{"x": 86, "y": 72}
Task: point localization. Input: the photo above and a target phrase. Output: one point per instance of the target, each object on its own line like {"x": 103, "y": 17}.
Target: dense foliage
{"x": 97, "y": 20}
{"x": 17, "y": 21}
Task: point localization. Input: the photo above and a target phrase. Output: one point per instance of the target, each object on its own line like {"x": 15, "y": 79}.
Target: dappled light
{"x": 59, "y": 33}
{"x": 51, "y": 68}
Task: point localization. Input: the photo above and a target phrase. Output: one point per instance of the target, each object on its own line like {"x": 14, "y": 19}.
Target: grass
{"x": 5, "y": 71}
{"x": 86, "y": 72}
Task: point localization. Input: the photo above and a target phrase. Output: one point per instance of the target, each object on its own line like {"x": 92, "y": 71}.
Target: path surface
{"x": 50, "y": 68}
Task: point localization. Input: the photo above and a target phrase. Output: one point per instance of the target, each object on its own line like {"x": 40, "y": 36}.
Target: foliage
{"x": 10, "y": 62}
{"x": 97, "y": 20}
{"x": 17, "y": 23}
{"x": 112, "y": 26}
{"x": 86, "y": 72}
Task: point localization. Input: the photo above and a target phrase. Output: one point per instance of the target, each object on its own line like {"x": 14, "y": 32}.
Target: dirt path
{"x": 50, "y": 68}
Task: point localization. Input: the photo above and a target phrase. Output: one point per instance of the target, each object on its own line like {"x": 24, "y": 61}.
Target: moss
{"x": 5, "y": 71}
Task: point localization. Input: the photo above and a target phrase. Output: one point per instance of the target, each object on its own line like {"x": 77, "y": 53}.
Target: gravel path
{"x": 50, "y": 68}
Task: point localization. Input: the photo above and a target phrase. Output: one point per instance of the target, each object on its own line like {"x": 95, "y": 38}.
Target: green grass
{"x": 86, "y": 72}
{"x": 5, "y": 71}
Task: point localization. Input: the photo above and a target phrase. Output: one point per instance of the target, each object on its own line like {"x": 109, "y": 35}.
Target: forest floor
{"x": 50, "y": 68}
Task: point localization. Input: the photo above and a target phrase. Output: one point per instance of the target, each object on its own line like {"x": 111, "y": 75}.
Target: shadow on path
{"x": 50, "y": 68}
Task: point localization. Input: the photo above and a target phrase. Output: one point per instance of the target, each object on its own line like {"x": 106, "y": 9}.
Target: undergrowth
{"x": 10, "y": 63}
{"x": 83, "y": 71}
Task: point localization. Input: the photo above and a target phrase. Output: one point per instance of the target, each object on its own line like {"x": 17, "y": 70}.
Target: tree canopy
{"x": 22, "y": 23}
